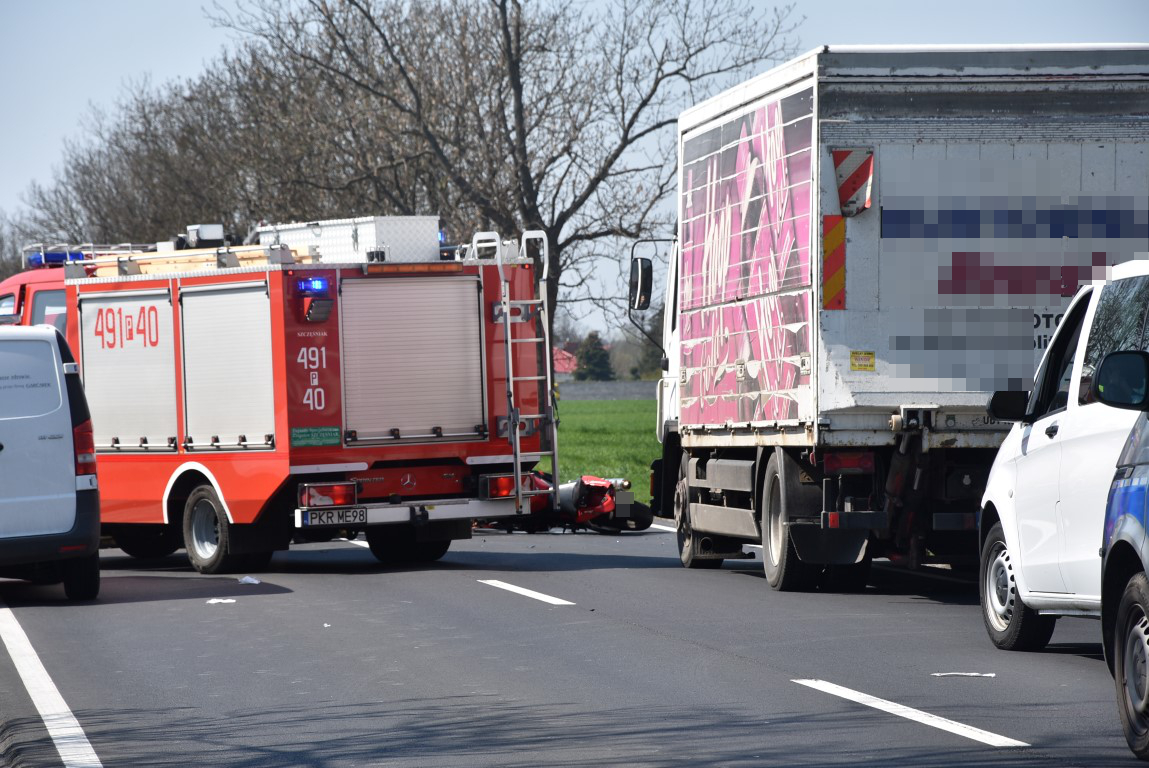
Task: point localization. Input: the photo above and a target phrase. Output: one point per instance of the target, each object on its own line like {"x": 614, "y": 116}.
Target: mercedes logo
{"x": 408, "y": 480}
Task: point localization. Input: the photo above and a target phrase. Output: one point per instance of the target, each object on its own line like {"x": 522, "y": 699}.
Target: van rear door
{"x": 37, "y": 461}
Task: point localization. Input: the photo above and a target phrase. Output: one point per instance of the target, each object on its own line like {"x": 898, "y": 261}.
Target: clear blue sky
{"x": 58, "y": 58}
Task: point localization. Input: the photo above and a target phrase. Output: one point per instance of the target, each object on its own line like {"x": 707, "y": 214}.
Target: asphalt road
{"x": 333, "y": 661}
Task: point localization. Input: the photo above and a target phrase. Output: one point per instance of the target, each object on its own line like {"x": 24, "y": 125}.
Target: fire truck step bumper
{"x": 380, "y": 514}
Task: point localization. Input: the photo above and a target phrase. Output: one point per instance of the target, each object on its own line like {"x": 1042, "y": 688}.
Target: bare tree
{"x": 545, "y": 115}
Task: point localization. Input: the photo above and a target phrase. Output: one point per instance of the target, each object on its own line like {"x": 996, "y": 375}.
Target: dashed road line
{"x": 65, "y": 730}
{"x": 668, "y": 528}
{"x": 952, "y": 726}
{"x": 525, "y": 592}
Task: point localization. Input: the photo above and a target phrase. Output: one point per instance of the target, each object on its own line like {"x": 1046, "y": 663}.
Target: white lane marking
{"x": 65, "y": 730}
{"x": 357, "y": 543}
{"x": 525, "y": 592}
{"x": 963, "y": 674}
{"x": 961, "y": 729}
{"x": 672, "y": 529}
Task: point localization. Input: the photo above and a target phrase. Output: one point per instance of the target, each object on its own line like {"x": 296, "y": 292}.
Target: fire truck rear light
{"x": 73, "y": 548}
{"x": 84, "y": 444}
{"x": 849, "y": 463}
{"x": 833, "y": 520}
{"x": 327, "y": 495}
{"x": 496, "y": 486}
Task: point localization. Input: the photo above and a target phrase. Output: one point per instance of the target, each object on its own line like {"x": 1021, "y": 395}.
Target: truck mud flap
{"x": 828, "y": 546}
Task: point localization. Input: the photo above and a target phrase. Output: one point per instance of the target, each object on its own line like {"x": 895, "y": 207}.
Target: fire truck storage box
{"x": 390, "y": 238}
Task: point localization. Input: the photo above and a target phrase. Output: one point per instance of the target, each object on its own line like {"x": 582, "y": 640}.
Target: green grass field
{"x": 608, "y": 438}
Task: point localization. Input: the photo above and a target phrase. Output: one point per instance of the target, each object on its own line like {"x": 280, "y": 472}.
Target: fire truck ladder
{"x": 535, "y": 312}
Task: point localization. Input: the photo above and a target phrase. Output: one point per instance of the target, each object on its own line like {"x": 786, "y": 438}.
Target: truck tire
{"x": 396, "y": 545}
{"x": 146, "y": 542}
{"x": 1011, "y": 624}
{"x": 207, "y": 533}
{"x": 81, "y": 577}
{"x": 785, "y": 572}
{"x": 1131, "y": 663}
{"x": 688, "y": 541}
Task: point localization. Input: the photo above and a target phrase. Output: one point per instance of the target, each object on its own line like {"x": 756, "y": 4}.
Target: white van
{"x": 49, "y": 501}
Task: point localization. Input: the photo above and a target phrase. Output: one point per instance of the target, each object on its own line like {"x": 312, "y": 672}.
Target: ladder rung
{"x": 525, "y": 303}
{"x": 528, "y": 378}
{"x": 531, "y": 416}
{"x": 524, "y": 341}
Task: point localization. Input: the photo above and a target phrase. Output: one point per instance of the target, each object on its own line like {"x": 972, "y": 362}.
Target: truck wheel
{"x": 146, "y": 542}
{"x": 81, "y": 577}
{"x": 1011, "y": 624}
{"x": 429, "y": 551}
{"x": 385, "y": 543}
{"x": 688, "y": 540}
{"x": 207, "y": 533}
{"x": 785, "y": 572}
{"x": 1131, "y": 664}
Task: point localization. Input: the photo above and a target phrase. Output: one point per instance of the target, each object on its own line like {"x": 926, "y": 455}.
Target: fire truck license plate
{"x": 353, "y": 516}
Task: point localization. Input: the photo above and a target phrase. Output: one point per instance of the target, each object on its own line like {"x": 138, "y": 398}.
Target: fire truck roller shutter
{"x": 128, "y": 352}
{"x": 412, "y": 357}
{"x": 227, "y": 364}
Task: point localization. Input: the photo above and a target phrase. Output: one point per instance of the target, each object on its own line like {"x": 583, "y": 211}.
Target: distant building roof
{"x": 564, "y": 361}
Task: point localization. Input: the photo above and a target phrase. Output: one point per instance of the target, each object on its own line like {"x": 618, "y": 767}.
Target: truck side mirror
{"x": 1007, "y": 405}
{"x": 641, "y": 279}
{"x": 1122, "y": 380}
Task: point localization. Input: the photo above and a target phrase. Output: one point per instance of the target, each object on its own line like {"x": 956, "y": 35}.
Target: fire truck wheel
{"x": 689, "y": 542}
{"x": 81, "y": 577}
{"x": 429, "y": 551}
{"x": 146, "y": 542}
{"x": 385, "y": 543}
{"x": 207, "y": 533}
{"x": 784, "y": 571}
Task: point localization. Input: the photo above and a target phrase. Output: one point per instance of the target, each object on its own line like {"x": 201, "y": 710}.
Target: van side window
{"x": 49, "y": 307}
{"x": 1051, "y": 387}
{"x": 8, "y": 304}
{"x": 1118, "y": 324}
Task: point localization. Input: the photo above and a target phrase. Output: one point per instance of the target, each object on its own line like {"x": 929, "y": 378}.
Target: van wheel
{"x": 146, "y": 542}
{"x": 785, "y": 572}
{"x": 81, "y": 577}
{"x": 207, "y": 533}
{"x": 688, "y": 541}
{"x": 1131, "y": 664}
{"x": 1011, "y": 624}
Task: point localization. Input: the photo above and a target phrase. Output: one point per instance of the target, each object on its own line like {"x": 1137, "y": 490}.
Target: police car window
{"x": 1118, "y": 323}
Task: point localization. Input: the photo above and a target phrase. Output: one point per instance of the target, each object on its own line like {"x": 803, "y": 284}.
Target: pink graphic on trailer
{"x": 746, "y": 206}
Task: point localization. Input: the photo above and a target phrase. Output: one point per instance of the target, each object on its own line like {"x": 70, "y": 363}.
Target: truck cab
{"x": 34, "y": 297}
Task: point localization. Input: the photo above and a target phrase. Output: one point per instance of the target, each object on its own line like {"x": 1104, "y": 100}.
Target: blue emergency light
{"x": 53, "y": 258}
{"x": 312, "y": 286}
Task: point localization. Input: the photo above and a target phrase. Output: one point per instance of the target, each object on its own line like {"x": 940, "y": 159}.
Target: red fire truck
{"x": 244, "y": 396}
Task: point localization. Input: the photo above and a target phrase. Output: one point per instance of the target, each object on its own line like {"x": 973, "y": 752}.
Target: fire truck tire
{"x": 385, "y": 543}
{"x": 429, "y": 551}
{"x": 207, "y": 533}
{"x": 81, "y": 577}
{"x": 146, "y": 542}
{"x": 784, "y": 571}
{"x": 689, "y": 542}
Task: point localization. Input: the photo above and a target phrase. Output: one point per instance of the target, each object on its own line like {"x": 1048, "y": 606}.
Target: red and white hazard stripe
{"x": 854, "y": 169}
